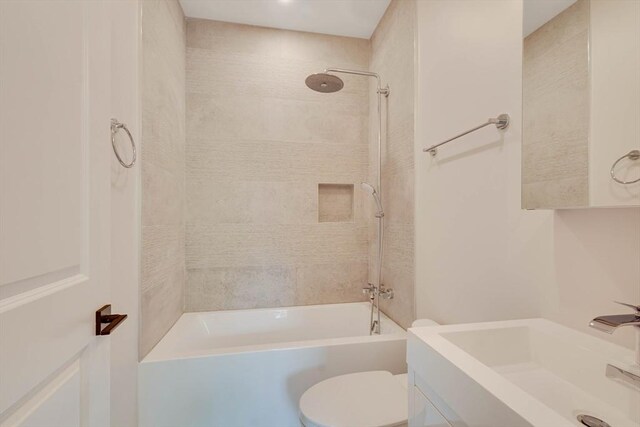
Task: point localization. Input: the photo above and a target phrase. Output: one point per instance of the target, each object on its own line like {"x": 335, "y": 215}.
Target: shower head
{"x": 325, "y": 83}
{"x": 368, "y": 188}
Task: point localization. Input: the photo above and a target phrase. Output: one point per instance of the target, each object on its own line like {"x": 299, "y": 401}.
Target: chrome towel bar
{"x": 501, "y": 122}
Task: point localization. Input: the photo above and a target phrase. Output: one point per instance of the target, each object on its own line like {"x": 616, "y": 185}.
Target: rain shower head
{"x": 325, "y": 83}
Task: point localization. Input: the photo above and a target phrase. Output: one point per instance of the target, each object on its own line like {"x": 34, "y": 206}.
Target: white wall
{"x": 125, "y": 29}
{"x": 596, "y": 260}
{"x": 479, "y": 257}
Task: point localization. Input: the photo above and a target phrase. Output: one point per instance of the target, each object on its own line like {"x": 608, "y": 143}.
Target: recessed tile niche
{"x": 335, "y": 202}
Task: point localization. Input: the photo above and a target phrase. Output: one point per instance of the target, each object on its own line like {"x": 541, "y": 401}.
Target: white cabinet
{"x": 581, "y": 107}
{"x": 615, "y": 101}
{"x": 422, "y": 413}
{"x": 440, "y": 394}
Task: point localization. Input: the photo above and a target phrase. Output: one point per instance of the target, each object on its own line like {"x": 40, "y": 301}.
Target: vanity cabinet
{"x": 440, "y": 395}
{"x": 422, "y": 413}
{"x": 581, "y": 107}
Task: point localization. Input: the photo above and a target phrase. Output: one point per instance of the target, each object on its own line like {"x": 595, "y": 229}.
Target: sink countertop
{"x": 545, "y": 372}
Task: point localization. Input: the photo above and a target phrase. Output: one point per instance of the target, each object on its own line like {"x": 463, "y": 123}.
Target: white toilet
{"x": 363, "y": 399}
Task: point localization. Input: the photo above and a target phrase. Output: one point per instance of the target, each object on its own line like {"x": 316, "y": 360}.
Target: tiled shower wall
{"x": 259, "y": 144}
{"x": 162, "y": 163}
{"x": 392, "y": 56}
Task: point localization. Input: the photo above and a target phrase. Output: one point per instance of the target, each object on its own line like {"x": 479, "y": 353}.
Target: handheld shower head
{"x": 369, "y": 189}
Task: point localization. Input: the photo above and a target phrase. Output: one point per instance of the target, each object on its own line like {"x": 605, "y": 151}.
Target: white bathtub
{"x": 250, "y": 367}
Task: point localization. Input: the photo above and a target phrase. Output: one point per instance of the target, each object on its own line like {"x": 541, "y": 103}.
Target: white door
{"x": 54, "y": 211}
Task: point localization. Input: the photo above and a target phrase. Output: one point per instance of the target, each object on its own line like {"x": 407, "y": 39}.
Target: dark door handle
{"x": 104, "y": 317}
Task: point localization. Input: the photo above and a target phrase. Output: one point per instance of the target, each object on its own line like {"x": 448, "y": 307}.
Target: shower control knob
{"x": 386, "y": 293}
{"x": 371, "y": 289}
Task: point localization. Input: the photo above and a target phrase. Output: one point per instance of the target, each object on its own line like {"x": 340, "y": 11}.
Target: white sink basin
{"x": 545, "y": 373}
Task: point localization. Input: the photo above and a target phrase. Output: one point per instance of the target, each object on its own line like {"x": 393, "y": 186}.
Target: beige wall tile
{"x": 161, "y": 306}
{"x": 240, "y": 288}
{"x": 558, "y": 193}
{"x": 251, "y": 202}
{"x": 163, "y": 248}
{"x": 557, "y": 160}
{"x": 392, "y": 57}
{"x": 274, "y": 119}
{"x": 265, "y": 76}
{"x": 247, "y": 245}
{"x": 399, "y": 197}
{"x": 163, "y": 163}
{"x": 401, "y": 308}
{"x": 396, "y": 156}
{"x": 559, "y": 30}
{"x": 163, "y": 197}
{"x": 258, "y": 144}
{"x": 331, "y": 283}
{"x": 246, "y": 40}
{"x": 223, "y": 161}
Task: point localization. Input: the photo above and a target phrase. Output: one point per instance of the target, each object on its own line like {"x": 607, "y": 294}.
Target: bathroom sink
{"x": 542, "y": 372}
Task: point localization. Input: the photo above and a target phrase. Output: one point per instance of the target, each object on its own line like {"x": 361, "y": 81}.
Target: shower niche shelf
{"x": 335, "y": 202}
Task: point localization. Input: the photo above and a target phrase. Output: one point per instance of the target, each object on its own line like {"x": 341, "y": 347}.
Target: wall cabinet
{"x": 581, "y": 107}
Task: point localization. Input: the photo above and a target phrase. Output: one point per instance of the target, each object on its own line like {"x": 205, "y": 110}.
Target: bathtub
{"x": 250, "y": 367}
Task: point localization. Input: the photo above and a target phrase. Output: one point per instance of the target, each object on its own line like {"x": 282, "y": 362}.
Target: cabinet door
{"x": 581, "y": 108}
{"x": 615, "y": 101}
{"x": 423, "y": 413}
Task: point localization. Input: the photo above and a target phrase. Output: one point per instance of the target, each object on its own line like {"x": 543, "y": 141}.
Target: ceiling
{"x": 539, "y": 12}
{"x": 352, "y": 18}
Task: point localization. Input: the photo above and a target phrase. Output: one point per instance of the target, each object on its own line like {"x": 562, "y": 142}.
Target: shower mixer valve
{"x": 372, "y": 290}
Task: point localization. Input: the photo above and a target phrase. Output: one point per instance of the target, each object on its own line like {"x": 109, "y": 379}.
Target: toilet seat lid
{"x": 365, "y": 399}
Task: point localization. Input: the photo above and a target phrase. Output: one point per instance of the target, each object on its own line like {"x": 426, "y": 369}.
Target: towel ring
{"x": 631, "y": 155}
{"x": 115, "y": 127}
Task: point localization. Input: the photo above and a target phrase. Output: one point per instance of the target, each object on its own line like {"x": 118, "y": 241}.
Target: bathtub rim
{"x": 280, "y": 346}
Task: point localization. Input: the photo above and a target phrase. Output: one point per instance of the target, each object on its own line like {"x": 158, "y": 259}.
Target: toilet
{"x": 363, "y": 399}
